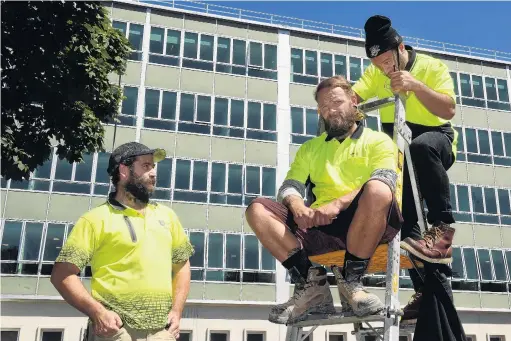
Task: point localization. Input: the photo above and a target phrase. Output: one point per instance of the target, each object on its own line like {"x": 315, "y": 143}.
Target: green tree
{"x": 56, "y": 58}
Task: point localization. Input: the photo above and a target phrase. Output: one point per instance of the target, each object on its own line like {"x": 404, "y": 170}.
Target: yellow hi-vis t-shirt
{"x": 430, "y": 71}
{"x": 337, "y": 168}
{"x": 131, "y": 257}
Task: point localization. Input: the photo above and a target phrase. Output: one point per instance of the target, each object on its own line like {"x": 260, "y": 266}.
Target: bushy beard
{"x": 340, "y": 126}
{"x": 137, "y": 188}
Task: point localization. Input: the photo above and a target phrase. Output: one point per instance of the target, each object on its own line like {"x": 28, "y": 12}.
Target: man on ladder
{"x": 430, "y": 105}
{"x": 353, "y": 173}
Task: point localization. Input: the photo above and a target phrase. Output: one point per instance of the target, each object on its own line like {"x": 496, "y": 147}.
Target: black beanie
{"x": 380, "y": 36}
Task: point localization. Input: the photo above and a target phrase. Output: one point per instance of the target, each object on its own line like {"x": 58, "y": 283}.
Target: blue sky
{"x": 478, "y": 24}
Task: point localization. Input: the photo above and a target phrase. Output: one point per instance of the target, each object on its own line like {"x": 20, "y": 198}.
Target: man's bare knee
{"x": 377, "y": 193}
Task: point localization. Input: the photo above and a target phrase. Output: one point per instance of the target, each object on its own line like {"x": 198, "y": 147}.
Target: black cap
{"x": 380, "y": 36}
{"x": 131, "y": 149}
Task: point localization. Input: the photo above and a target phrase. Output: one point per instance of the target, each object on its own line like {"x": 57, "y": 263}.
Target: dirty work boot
{"x": 345, "y": 306}
{"x": 435, "y": 245}
{"x": 361, "y": 302}
{"x": 316, "y": 297}
{"x": 280, "y": 312}
{"x": 411, "y": 310}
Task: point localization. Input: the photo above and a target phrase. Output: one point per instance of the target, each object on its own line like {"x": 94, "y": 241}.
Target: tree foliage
{"x": 56, "y": 58}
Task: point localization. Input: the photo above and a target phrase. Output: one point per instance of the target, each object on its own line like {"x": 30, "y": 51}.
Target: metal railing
{"x": 290, "y": 22}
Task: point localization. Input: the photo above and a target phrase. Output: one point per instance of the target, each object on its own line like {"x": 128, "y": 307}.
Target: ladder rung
{"x": 403, "y": 328}
{"x": 325, "y": 320}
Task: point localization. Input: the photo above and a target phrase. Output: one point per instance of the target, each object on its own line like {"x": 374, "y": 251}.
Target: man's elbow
{"x": 451, "y": 111}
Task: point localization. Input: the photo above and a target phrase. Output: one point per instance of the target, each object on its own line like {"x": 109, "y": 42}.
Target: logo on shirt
{"x": 162, "y": 222}
{"x": 374, "y": 50}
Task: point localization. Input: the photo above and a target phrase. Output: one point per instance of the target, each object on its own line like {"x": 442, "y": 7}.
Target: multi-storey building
{"x": 229, "y": 94}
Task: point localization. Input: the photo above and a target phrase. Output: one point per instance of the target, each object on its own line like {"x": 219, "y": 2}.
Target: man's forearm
{"x": 74, "y": 293}
{"x": 291, "y": 201}
{"x": 344, "y": 201}
{"x": 181, "y": 287}
{"x": 439, "y": 104}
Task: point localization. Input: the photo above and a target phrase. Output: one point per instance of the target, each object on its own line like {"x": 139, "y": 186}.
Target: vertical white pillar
{"x": 283, "y": 141}
{"x": 143, "y": 67}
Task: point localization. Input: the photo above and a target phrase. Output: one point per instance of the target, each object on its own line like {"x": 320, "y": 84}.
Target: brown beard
{"x": 338, "y": 127}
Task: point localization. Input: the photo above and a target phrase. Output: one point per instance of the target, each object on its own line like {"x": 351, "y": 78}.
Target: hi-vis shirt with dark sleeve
{"x": 131, "y": 257}
{"x": 337, "y": 168}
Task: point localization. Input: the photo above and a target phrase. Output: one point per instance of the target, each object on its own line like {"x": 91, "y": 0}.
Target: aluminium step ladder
{"x": 394, "y": 257}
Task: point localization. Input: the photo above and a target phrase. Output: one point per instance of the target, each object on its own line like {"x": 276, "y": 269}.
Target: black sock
{"x": 298, "y": 265}
{"x": 354, "y": 267}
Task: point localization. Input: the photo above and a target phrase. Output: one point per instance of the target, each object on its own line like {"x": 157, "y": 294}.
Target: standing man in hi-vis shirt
{"x": 430, "y": 105}
{"x": 138, "y": 252}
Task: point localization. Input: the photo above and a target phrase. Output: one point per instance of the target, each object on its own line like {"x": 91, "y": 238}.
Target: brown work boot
{"x": 316, "y": 297}
{"x": 360, "y": 301}
{"x": 435, "y": 245}
{"x": 411, "y": 310}
{"x": 280, "y": 312}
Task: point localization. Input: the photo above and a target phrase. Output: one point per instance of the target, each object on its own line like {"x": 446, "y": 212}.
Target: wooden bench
{"x": 378, "y": 261}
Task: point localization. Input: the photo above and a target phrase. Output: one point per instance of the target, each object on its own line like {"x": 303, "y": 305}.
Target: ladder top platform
{"x": 326, "y": 320}
{"x": 378, "y": 261}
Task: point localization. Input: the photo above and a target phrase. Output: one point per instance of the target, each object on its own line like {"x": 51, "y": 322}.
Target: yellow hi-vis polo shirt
{"x": 430, "y": 71}
{"x": 337, "y": 168}
{"x": 131, "y": 256}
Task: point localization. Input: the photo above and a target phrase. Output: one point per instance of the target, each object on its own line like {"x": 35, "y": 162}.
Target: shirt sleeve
{"x": 80, "y": 245}
{"x": 383, "y": 159}
{"x": 365, "y": 87}
{"x": 182, "y": 249}
{"x": 440, "y": 80}
{"x": 300, "y": 167}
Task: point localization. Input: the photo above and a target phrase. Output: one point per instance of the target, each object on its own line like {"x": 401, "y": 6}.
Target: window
{"x": 198, "y": 51}
{"x": 501, "y": 143}
{"x": 30, "y": 248}
{"x": 53, "y": 244}
{"x": 223, "y": 259}
{"x": 336, "y": 337}
{"x": 472, "y": 90}
{"x": 497, "y": 94}
{"x": 478, "y": 145}
{"x": 73, "y": 178}
{"x": 160, "y": 109}
{"x": 185, "y": 335}
{"x": 454, "y": 77}
{"x": 231, "y": 55}
{"x": 262, "y": 60}
{"x": 229, "y": 117}
{"x": 255, "y": 336}
{"x": 484, "y": 203}
{"x": 373, "y": 122}
{"x": 135, "y": 35}
{"x": 310, "y": 67}
{"x": 218, "y": 336}
{"x": 460, "y": 203}
{"x": 504, "y": 206}
{"x": 355, "y": 69}
{"x": 163, "y": 179}
{"x": 471, "y": 338}
{"x": 226, "y": 179}
{"x": 254, "y": 269}
{"x": 128, "y": 113}
{"x": 304, "y": 124}
{"x": 51, "y": 335}
{"x": 9, "y": 335}
{"x": 195, "y": 114}
{"x": 191, "y": 181}
{"x": 102, "y": 179}
{"x": 39, "y": 179}
{"x": 164, "y": 46}
{"x": 497, "y": 338}
{"x": 262, "y": 121}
